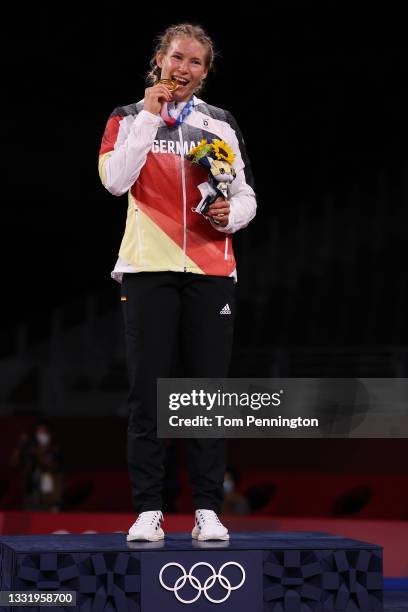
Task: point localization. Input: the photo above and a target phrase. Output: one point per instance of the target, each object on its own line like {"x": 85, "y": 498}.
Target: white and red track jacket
{"x": 142, "y": 155}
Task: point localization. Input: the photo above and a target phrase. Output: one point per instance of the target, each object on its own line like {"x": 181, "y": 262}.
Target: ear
{"x": 159, "y": 59}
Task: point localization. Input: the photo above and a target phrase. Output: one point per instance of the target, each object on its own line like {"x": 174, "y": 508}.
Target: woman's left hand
{"x": 219, "y": 211}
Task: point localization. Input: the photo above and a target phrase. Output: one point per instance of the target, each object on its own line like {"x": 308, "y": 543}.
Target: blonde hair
{"x": 165, "y": 39}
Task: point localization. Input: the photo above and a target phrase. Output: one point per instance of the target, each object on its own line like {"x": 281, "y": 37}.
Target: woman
{"x": 176, "y": 266}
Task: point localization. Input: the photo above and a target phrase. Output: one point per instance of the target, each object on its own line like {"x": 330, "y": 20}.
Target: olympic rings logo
{"x": 196, "y": 584}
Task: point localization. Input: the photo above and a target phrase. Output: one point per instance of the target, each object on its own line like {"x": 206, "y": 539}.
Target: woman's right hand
{"x": 155, "y": 96}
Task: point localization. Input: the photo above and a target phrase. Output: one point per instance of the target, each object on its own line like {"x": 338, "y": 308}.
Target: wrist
{"x": 152, "y": 111}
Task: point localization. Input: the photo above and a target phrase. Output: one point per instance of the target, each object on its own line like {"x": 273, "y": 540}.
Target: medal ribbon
{"x": 172, "y": 121}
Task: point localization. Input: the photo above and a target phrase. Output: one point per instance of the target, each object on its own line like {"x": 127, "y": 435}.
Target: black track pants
{"x": 168, "y": 314}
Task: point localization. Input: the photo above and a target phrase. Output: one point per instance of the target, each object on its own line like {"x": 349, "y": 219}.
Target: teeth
{"x": 181, "y": 81}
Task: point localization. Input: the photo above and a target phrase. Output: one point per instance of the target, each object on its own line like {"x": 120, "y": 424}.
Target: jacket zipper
{"x": 183, "y": 182}
{"x": 139, "y": 237}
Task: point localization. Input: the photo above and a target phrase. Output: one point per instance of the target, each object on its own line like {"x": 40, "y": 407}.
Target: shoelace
{"x": 148, "y": 518}
{"x": 209, "y": 515}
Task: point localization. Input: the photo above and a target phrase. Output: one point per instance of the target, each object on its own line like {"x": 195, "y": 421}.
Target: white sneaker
{"x": 147, "y": 527}
{"x": 208, "y": 526}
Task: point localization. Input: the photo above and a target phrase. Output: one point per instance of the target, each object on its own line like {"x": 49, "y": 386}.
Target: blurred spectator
{"x": 39, "y": 459}
{"x": 234, "y": 502}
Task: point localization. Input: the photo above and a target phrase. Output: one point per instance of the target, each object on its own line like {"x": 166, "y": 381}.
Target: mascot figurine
{"x": 218, "y": 157}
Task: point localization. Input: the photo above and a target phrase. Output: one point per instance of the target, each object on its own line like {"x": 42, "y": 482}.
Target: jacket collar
{"x": 197, "y": 101}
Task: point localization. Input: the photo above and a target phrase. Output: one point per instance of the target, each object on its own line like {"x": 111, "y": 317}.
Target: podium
{"x": 252, "y": 572}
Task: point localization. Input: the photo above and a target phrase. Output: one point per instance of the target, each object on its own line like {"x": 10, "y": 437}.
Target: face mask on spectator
{"x": 42, "y": 438}
{"x": 228, "y": 485}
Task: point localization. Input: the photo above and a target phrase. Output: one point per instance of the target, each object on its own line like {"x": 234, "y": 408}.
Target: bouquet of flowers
{"x": 217, "y": 156}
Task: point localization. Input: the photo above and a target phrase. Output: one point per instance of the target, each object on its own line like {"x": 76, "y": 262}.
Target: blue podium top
{"x": 266, "y": 540}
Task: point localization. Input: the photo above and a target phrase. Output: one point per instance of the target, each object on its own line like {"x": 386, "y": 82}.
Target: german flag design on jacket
{"x": 143, "y": 156}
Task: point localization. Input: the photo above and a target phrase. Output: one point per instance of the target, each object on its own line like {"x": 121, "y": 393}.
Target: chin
{"x": 182, "y": 97}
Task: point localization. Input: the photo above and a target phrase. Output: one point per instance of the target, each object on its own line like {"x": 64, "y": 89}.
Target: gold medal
{"x": 171, "y": 84}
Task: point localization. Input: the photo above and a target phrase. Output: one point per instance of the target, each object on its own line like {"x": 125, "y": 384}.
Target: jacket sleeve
{"x": 242, "y": 200}
{"x": 125, "y": 144}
